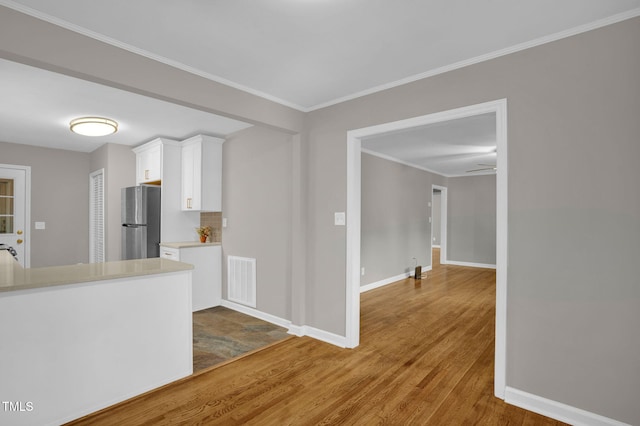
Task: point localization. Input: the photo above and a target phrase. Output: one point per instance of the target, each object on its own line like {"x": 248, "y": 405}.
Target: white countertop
{"x": 14, "y": 277}
{"x": 185, "y": 244}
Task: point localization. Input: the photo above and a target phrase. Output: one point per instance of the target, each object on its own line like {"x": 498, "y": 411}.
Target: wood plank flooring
{"x": 425, "y": 358}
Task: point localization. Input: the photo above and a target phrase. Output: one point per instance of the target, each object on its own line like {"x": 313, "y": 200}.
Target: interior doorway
{"x": 354, "y": 146}
{"x": 439, "y": 223}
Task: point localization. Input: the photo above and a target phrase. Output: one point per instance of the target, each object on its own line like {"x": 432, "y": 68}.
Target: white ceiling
{"x": 449, "y": 148}
{"x": 302, "y": 53}
{"x": 310, "y": 53}
{"x": 37, "y": 106}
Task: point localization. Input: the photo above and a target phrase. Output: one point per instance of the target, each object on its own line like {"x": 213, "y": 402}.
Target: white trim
{"x": 425, "y": 169}
{"x": 482, "y": 58}
{"x": 281, "y": 322}
{"x": 557, "y": 410}
{"x": 405, "y": 163}
{"x": 390, "y": 280}
{"x": 296, "y": 330}
{"x": 354, "y": 145}
{"x": 27, "y": 214}
{"x": 386, "y": 281}
{"x": 471, "y": 264}
{"x": 502, "y": 229}
{"x": 145, "y": 53}
{"x": 435, "y": 246}
{"x": 444, "y": 194}
{"x": 316, "y": 333}
{"x": 354, "y": 166}
{"x": 461, "y": 64}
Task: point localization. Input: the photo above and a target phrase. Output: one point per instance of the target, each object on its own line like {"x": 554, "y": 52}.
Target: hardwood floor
{"x": 425, "y": 358}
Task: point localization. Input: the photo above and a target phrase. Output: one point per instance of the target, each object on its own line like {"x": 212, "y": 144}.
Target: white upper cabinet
{"x": 202, "y": 174}
{"x": 149, "y": 161}
{"x": 158, "y": 162}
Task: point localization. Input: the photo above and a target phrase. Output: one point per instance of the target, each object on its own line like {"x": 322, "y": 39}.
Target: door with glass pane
{"x": 13, "y": 231}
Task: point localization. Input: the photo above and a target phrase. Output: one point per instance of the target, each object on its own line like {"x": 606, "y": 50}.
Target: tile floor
{"x": 220, "y": 334}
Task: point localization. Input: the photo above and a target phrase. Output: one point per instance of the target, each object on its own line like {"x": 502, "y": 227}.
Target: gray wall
{"x": 119, "y": 162}
{"x": 60, "y": 198}
{"x": 573, "y": 292}
{"x": 471, "y": 219}
{"x": 573, "y": 307}
{"x": 395, "y": 218}
{"x": 256, "y": 200}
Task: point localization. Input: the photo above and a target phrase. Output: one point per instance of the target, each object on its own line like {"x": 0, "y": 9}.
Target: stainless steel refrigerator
{"x": 140, "y": 222}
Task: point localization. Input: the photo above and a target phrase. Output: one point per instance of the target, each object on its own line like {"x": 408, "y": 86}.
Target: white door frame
{"x": 354, "y": 145}
{"x": 27, "y": 210}
{"x": 443, "y": 224}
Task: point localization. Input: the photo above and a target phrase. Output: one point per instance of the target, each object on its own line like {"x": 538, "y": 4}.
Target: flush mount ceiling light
{"x": 93, "y": 126}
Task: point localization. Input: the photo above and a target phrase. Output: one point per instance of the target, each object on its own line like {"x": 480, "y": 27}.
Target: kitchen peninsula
{"x": 78, "y": 338}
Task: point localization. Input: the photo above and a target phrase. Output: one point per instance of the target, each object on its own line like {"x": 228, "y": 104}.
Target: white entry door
{"x": 13, "y": 210}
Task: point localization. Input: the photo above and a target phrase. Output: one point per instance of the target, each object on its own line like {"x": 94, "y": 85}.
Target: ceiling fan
{"x": 485, "y": 168}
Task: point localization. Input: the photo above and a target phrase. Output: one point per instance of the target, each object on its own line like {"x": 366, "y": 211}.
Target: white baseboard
{"x": 296, "y": 330}
{"x": 471, "y": 264}
{"x": 556, "y": 410}
{"x": 435, "y": 246}
{"x": 257, "y": 314}
{"x": 390, "y": 280}
{"x": 384, "y": 282}
{"x": 316, "y": 333}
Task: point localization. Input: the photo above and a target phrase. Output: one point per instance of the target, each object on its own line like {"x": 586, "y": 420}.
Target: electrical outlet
{"x": 362, "y": 271}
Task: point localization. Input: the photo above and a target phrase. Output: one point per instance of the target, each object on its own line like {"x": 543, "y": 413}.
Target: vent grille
{"x": 241, "y": 280}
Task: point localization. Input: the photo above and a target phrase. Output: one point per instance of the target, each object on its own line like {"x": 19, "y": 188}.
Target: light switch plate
{"x": 340, "y": 219}
{"x": 224, "y": 222}
{"x": 40, "y": 225}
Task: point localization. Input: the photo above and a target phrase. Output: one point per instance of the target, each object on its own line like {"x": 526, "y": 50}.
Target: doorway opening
{"x": 439, "y": 222}
{"x": 354, "y": 145}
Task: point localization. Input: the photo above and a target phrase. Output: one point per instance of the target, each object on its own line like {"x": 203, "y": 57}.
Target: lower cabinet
{"x": 207, "y": 272}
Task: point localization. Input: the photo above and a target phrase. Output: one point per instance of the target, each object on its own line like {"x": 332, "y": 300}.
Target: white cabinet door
{"x": 149, "y": 164}
{"x": 207, "y": 275}
{"x": 202, "y": 174}
{"x": 191, "y": 154}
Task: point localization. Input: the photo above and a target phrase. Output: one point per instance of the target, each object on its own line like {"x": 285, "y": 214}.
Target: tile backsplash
{"x": 214, "y": 220}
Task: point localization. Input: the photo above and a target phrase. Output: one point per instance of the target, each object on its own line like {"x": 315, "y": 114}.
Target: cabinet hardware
{"x": 19, "y": 241}
{"x": 189, "y": 203}
{"x": 19, "y": 232}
